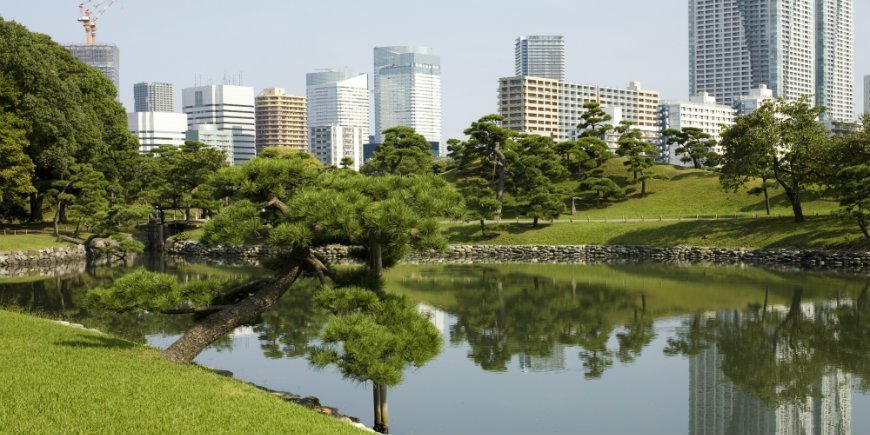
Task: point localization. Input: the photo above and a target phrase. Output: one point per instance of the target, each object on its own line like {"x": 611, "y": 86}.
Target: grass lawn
{"x": 56, "y": 379}
{"x": 21, "y": 242}
{"x": 816, "y": 232}
{"x": 683, "y": 192}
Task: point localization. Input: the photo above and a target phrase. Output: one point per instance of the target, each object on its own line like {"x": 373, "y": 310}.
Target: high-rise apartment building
{"x": 407, "y": 82}
{"x": 338, "y": 112}
{"x": 798, "y": 48}
{"x": 152, "y": 97}
{"x": 701, "y": 111}
{"x": 332, "y": 144}
{"x": 155, "y": 129}
{"x": 210, "y": 135}
{"x": 282, "y": 120}
{"x": 227, "y": 107}
{"x": 550, "y": 108}
{"x": 747, "y": 104}
{"x": 540, "y": 56}
{"x": 104, "y": 57}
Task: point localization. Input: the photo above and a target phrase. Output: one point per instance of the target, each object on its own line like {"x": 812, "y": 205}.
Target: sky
{"x": 274, "y": 43}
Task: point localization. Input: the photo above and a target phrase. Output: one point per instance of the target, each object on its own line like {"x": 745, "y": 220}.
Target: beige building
{"x": 547, "y": 107}
{"x": 282, "y": 120}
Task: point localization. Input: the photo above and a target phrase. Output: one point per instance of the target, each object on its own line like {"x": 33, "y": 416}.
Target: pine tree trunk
{"x": 376, "y": 255}
{"x": 643, "y": 188}
{"x": 376, "y": 402}
{"x": 35, "y": 208}
{"x": 483, "y": 227}
{"x": 535, "y": 222}
{"x": 766, "y": 196}
{"x": 501, "y": 169}
{"x": 382, "y": 421}
{"x": 195, "y": 340}
{"x": 862, "y": 222}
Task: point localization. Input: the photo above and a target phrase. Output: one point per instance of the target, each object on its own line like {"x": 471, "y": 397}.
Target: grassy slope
{"x": 821, "y": 232}
{"x": 683, "y": 192}
{"x": 10, "y": 243}
{"x": 63, "y": 380}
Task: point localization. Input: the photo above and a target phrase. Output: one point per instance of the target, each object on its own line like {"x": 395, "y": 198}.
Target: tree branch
{"x": 248, "y": 287}
{"x": 275, "y": 202}
{"x": 196, "y": 310}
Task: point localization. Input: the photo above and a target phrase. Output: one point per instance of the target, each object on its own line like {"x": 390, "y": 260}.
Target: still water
{"x": 561, "y": 349}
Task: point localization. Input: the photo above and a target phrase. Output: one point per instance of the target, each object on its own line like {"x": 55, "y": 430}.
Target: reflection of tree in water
{"x": 780, "y": 355}
{"x": 502, "y": 315}
{"x": 291, "y": 324}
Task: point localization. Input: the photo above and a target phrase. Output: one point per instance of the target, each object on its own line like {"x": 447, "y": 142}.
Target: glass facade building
{"x": 407, "y": 86}
{"x": 104, "y": 57}
{"x": 540, "y": 56}
{"x": 152, "y": 97}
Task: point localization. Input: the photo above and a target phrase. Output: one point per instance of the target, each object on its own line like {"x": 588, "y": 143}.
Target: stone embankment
{"x": 47, "y": 259}
{"x": 574, "y": 254}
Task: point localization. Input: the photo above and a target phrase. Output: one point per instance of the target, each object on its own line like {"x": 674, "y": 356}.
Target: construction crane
{"x": 89, "y": 12}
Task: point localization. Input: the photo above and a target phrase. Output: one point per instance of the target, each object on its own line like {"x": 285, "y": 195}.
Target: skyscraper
{"x": 798, "y": 48}
{"x": 282, "y": 120}
{"x": 227, "y": 107}
{"x": 866, "y": 94}
{"x": 152, "y": 97}
{"x": 338, "y": 115}
{"x": 104, "y": 57}
{"x": 157, "y": 128}
{"x": 540, "y": 56}
{"x": 407, "y": 83}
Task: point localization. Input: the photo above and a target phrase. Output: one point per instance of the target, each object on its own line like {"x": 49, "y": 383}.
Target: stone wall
{"x": 488, "y": 254}
{"x": 41, "y": 259}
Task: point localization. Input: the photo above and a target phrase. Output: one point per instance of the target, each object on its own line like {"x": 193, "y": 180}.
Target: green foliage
{"x": 782, "y": 140}
{"x": 853, "y": 191}
{"x": 273, "y": 174}
{"x": 603, "y": 189}
{"x": 372, "y": 338}
{"x": 479, "y": 199}
{"x": 70, "y": 109}
{"x": 694, "y": 145}
{"x": 640, "y": 155}
{"x": 237, "y": 224}
{"x": 16, "y": 168}
{"x": 484, "y": 154}
{"x": 545, "y": 204}
{"x": 176, "y": 173}
{"x": 148, "y": 291}
{"x": 594, "y": 121}
{"x": 403, "y": 152}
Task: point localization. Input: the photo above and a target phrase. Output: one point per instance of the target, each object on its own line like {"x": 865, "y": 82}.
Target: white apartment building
{"x": 407, "y": 82}
{"x": 747, "y": 104}
{"x": 213, "y": 136}
{"x": 546, "y": 107}
{"x": 798, "y": 48}
{"x": 155, "y": 129}
{"x": 701, "y": 111}
{"x": 338, "y": 111}
{"x": 152, "y": 97}
{"x": 227, "y": 107}
{"x": 331, "y": 144}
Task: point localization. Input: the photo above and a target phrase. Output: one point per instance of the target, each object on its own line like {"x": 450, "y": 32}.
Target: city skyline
{"x": 472, "y": 58}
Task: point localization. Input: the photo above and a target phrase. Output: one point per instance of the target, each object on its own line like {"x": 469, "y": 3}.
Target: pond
{"x": 550, "y": 349}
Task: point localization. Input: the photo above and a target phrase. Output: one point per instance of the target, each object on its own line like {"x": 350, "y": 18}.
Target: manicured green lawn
{"x": 56, "y": 379}
{"x": 682, "y": 192}
{"x": 820, "y": 232}
{"x": 21, "y": 242}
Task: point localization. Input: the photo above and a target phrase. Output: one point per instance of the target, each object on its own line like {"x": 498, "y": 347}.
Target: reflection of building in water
{"x": 555, "y": 361}
{"x": 717, "y": 406}
{"x": 436, "y": 316}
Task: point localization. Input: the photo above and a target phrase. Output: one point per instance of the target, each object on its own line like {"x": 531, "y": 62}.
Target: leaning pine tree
{"x": 290, "y": 203}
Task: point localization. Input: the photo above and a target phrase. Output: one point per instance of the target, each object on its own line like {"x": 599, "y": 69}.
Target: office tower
{"x": 798, "y": 48}
{"x": 701, "y": 111}
{"x": 282, "y": 120}
{"x": 550, "y": 108}
{"x": 152, "y": 97}
{"x": 157, "y": 128}
{"x": 866, "y": 94}
{"x": 337, "y": 102}
{"x": 228, "y": 108}
{"x": 407, "y": 83}
{"x": 210, "y": 135}
{"x": 104, "y": 57}
{"x": 540, "y": 56}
